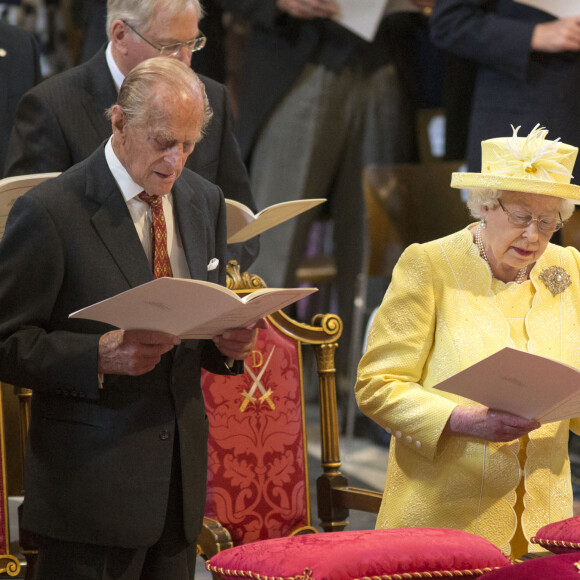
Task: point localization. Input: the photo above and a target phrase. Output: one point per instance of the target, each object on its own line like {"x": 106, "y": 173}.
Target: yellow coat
{"x": 438, "y": 317}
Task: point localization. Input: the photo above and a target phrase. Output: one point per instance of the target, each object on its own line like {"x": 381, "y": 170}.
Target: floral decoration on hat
{"x": 533, "y": 157}
{"x": 532, "y": 164}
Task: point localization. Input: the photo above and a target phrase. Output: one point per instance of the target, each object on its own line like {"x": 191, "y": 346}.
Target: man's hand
{"x": 133, "y": 352}
{"x": 308, "y": 8}
{"x": 557, "y": 36}
{"x": 238, "y": 343}
{"x": 488, "y": 424}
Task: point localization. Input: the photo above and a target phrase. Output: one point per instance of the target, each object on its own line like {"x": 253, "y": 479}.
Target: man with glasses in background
{"x": 62, "y": 120}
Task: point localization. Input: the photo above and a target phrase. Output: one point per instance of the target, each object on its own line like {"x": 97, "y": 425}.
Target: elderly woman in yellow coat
{"x": 452, "y": 302}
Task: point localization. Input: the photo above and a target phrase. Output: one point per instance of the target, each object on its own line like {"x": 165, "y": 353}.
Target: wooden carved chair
{"x": 13, "y": 187}
{"x": 258, "y": 473}
{"x": 9, "y": 563}
{"x": 18, "y": 399}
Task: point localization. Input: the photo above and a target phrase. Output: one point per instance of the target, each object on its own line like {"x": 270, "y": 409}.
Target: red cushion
{"x": 422, "y": 552}
{"x": 561, "y": 567}
{"x": 560, "y": 537}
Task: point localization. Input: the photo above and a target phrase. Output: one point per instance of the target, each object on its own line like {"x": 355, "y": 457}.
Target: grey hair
{"x": 144, "y": 80}
{"x": 139, "y": 13}
{"x": 490, "y": 198}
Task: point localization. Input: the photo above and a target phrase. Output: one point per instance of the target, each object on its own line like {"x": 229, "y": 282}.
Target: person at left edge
{"x": 62, "y": 120}
{"x": 116, "y": 462}
{"x": 19, "y": 72}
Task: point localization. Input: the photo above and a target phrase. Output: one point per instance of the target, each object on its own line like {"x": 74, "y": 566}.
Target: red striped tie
{"x": 161, "y": 263}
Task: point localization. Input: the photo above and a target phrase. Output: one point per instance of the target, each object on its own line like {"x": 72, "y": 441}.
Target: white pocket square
{"x": 213, "y": 264}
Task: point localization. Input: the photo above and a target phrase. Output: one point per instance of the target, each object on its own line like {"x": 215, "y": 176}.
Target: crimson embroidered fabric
{"x": 257, "y": 483}
{"x": 560, "y": 537}
{"x": 386, "y": 554}
{"x": 560, "y": 567}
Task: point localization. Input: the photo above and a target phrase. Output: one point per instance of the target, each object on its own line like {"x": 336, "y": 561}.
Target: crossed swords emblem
{"x": 257, "y": 385}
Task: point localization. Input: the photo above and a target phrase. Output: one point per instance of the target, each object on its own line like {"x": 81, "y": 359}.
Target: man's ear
{"x": 119, "y": 35}
{"x": 118, "y": 121}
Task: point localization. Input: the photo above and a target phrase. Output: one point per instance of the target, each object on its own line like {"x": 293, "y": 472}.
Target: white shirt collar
{"x": 128, "y": 187}
{"x": 118, "y": 76}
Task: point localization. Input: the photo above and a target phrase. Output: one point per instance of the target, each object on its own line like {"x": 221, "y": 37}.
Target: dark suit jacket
{"x": 99, "y": 460}
{"x": 62, "y": 121}
{"x": 513, "y": 85}
{"x": 19, "y": 72}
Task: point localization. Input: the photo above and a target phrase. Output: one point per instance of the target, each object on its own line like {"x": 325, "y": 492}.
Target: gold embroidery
{"x": 266, "y": 394}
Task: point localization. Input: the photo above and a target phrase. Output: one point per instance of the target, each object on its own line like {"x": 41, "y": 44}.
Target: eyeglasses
{"x": 174, "y": 49}
{"x": 545, "y": 225}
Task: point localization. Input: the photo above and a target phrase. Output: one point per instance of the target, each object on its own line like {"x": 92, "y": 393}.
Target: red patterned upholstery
{"x": 257, "y": 473}
{"x": 389, "y": 554}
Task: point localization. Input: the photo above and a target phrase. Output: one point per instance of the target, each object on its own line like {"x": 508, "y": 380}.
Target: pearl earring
{"x": 482, "y": 223}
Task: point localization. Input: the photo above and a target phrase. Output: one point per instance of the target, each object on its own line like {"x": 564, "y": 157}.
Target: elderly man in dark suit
{"x": 116, "y": 463}
{"x": 62, "y": 121}
{"x": 19, "y": 72}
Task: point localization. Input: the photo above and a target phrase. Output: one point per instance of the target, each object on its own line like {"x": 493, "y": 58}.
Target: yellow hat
{"x": 531, "y": 164}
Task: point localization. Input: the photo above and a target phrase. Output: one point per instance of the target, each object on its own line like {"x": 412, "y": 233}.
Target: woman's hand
{"x": 557, "y": 35}
{"x": 308, "y": 8}
{"x": 488, "y": 424}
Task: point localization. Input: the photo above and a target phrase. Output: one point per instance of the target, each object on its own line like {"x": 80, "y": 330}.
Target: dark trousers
{"x": 169, "y": 558}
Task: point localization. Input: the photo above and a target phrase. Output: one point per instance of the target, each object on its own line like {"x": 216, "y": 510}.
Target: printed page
{"x": 257, "y": 307}
{"x": 11, "y": 188}
{"x": 521, "y": 383}
{"x": 188, "y": 308}
{"x": 558, "y": 8}
{"x": 364, "y": 16}
{"x": 242, "y": 225}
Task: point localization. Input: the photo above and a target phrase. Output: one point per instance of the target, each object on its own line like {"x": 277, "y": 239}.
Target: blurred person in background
{"x": 19, "y": 72}
{"x": 528, "y": 66}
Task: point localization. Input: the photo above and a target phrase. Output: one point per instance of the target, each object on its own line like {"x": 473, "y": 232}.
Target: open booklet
{"x": 243, "y": 224}
{"x": 189, "y": 308}
{"x": 528, "y": 385}
{"x": 557, "y": 8}
{"x": 11, "y": 188}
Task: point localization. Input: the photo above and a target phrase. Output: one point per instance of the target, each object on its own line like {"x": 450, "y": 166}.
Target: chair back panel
{"x": 257, "y": 466}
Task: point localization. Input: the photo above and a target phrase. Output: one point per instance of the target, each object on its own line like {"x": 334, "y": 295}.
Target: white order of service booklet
{"x": 189, "y": 308}
{"x": 364, "y": 16}
{"x": 521, "y": 383}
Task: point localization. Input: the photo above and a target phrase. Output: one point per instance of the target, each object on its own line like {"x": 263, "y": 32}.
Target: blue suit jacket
{"x": 513, "y": 85}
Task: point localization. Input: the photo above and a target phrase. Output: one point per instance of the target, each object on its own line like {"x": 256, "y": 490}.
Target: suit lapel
{"x": 190, "y": 219}
{"x": 100, "y": 93}
{"x": 113, "y": 222}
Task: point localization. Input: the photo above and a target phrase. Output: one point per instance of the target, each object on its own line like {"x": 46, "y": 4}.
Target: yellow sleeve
{"x": 400, "y": 343}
